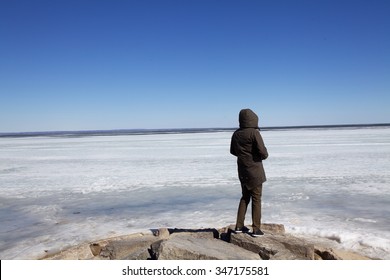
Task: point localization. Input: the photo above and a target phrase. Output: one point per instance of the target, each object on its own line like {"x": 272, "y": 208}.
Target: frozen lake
{"x": 60, "y": 191}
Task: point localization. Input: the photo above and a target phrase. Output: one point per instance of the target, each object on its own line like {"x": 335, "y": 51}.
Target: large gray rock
{"x": 79, "y": 252}
{"x": 275, "y": 246}
{"x": 125, "y": 249}
{"x": 337, "y": 254}
{"x": 133, "y": 246}
{"x": 189, "y": 247}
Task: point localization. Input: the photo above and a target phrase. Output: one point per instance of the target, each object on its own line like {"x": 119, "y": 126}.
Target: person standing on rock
{"x": 248, "y": 146}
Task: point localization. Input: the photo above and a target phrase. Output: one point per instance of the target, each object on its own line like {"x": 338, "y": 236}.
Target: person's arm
{"x": 232, "y": 147}
{"x": 261, "y": 149}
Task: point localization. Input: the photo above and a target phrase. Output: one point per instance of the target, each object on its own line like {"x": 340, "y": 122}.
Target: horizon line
{"x": 123, "y": 131}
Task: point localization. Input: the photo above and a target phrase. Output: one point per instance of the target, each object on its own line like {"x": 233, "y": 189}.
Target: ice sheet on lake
{"x": 58, "y": 192}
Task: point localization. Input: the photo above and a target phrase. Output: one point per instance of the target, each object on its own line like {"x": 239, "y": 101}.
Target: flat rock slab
{"x": 79, "y": 252}
{"x": 337, "y": 254}
{"x": 188, "y": 247}
{"x": 275, "y": 246}
{"x": 133, "y": 246}
{"x": 125, "y": 249}
{"x": 209, "y": 233}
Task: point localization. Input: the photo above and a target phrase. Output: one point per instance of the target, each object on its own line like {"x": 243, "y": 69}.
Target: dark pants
{"x": 254, "y": 194}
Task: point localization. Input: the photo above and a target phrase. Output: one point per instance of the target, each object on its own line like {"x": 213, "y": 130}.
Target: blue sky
{"x": 81, "y": 65}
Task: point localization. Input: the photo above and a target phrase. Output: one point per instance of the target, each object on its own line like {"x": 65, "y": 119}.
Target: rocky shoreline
{"x": 208, "y": 244}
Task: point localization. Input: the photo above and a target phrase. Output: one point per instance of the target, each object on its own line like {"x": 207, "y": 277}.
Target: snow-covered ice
{"x": 57, "y": 192}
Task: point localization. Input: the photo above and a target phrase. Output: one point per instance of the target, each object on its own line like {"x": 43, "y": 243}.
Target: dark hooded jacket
{"x": 248, "y": 146}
